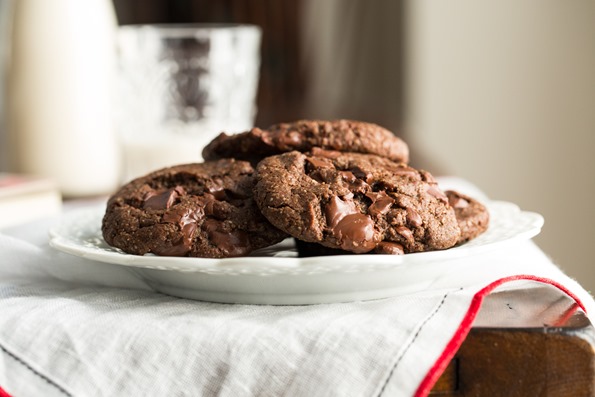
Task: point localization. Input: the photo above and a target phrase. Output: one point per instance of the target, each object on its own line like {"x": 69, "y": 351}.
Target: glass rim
{"x": 189, "y": 29}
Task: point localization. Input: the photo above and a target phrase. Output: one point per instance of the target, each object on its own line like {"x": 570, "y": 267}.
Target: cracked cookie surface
{"x": 201, "y": 210}
{"x": 303, "y": 135}
{"x": 355, "y": 202}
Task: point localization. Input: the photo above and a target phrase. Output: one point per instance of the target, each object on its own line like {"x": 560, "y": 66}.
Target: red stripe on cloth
{"x": 4, "y": 393}
{"x": 453, "y": 345}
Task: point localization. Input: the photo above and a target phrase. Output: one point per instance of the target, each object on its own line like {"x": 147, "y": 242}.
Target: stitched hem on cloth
{"x": 412, "y": 340}
{"x": 461, "y": 333}
{"x": 21, "y": 361}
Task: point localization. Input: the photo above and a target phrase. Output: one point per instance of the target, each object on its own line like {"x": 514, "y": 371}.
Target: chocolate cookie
{"x": 472, "y": 216}
{"x": 202, "y": 210}
{"x": 303, "y": 135}
{"x": 355, "y": 202}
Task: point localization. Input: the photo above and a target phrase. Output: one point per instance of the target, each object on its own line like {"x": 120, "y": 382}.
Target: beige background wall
{"x": 498, "y": 92}
{"x": 503, "y": 93}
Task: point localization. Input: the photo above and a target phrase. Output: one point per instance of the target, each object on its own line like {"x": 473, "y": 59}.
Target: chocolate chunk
{"x": 163, "y": 200}
{"x": 436, "y": 192}
{"x": 413, "y": 218}
{"x": 355, "y": 232}
{"x": 381, "y": 203}
{"x": 389, "y": 248}
{"x": 235, "y": 243}
{"x": 217, "y": 190}
{"x": 338, "y": 209}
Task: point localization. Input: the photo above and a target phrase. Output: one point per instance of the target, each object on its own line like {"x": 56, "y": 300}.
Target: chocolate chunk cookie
{"x": 355, "y": 202}
{"x": 472, "y": 216}
{"x": 303, "y": 135}
{"x": 202, "y": 210}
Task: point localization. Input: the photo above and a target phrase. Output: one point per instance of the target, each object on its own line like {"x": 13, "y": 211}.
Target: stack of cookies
{"x": 336, "y": 187}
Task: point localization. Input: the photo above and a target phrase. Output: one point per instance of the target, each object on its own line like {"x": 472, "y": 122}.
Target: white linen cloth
{"x": 73, "y": 327}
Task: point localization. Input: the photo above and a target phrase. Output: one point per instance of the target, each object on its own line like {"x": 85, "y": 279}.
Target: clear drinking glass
{"x": 180, "y": 86}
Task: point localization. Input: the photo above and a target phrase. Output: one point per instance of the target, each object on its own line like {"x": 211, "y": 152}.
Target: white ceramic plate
{"x": 275, "y": 275}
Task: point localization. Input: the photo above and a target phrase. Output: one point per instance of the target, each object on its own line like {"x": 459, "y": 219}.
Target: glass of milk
{"x": 179, "y": 87}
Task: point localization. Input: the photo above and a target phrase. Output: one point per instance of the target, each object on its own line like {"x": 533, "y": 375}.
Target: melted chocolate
{"x": 234, "y": 243}
{"x": 337, "y": 209}
{"x": 381, "y": 203}
{"x": 186, "y": 219}
{"x": 355, "y": 233}
{"x": 434, "y": 191}
{"x": 389, "y": 248}
{"x": 162, "y": 200}
{"x": 413, "y": 218}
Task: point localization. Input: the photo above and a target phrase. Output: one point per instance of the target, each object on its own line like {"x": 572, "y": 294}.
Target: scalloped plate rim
{"x": 62, "y": 240}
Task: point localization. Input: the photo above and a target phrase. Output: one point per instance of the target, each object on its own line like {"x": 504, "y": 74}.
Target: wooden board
{"x": 524, "y": 343}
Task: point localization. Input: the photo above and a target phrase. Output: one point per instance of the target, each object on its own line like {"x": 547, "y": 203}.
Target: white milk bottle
{"x": 59, "y": 101}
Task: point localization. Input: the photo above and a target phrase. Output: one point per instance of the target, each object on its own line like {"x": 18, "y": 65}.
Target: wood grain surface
{"x": 524, "y": 343}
